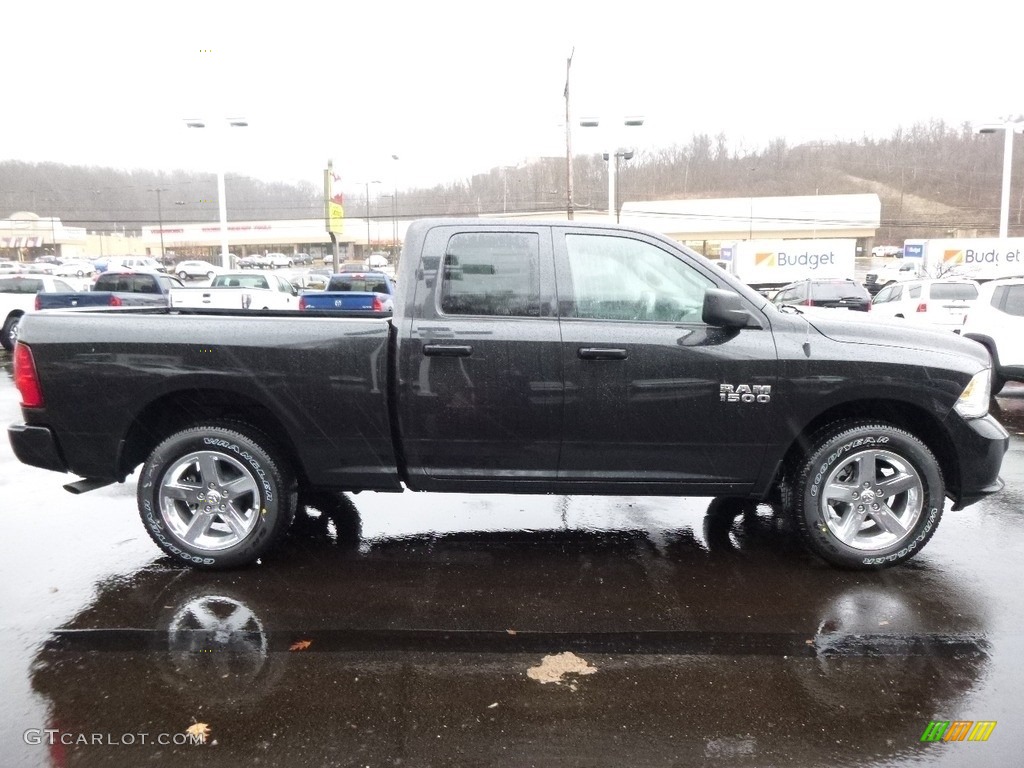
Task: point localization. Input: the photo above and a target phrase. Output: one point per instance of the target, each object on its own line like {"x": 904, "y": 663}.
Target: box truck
{"x": 979, "y": 258}
{"x": 774, "y": 263}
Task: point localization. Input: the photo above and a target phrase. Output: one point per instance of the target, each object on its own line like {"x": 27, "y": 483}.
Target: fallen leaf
{"x": 553, "y": 668}
{"x": 492, "y": 706}
{"x": 300, "y": 645}
{"x": 199, "y": 731}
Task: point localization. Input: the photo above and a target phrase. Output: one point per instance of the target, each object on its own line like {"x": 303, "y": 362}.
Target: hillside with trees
{"x": 933, "y": 179}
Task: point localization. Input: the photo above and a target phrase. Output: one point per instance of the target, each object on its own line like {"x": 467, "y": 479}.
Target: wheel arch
{"x": 181, "y": 409}
{"x": 907, "y": 416}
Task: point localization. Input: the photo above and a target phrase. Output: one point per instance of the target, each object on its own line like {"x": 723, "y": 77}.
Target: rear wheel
{"x": 9, "y": 333}
{"x": 868, "y": 495}
{"x": 216, "y": 496}
{"x": 183, "y": 275}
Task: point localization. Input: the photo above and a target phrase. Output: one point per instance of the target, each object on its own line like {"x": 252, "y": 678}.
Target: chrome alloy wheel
{"x": 872, "y": 500}
{"x": 209, "y": 500}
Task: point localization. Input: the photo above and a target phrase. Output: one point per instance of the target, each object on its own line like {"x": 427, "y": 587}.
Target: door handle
{"x": 601, "y": 353}
{"x": 447, "y": 350}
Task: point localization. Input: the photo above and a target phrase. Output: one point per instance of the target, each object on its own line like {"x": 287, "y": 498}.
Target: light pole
{"x": 594, "y": 122}
{"x": 368, "y": 183}
{"x": 394, "y": 212}
{"x": 160, "y": 220}
{"x": 1009, "y": 127}
{"x": 625, "y": 154}
{"x": 232, "y": 122}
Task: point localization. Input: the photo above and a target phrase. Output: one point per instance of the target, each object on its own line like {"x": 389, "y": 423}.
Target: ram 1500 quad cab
{"x": 520, "y": 358}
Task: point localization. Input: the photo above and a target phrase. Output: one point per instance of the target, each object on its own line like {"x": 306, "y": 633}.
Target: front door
{"x": 653, "y": 394}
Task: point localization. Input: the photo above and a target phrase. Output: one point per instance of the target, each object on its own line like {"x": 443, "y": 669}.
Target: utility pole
{"x": 568, "y": 141}
{"x": 160, "y": 219}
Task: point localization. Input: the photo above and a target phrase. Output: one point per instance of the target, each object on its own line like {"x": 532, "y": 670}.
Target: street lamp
{"x": 594, "y": 122}
{"x": 1009, "y": 127}
{"x": 368, "y": 183}
{"x": 394, "y": 212}
{"x": 624, "y": 154}
{"x": 160, "y": 219}
{"x": 232, "y": 122}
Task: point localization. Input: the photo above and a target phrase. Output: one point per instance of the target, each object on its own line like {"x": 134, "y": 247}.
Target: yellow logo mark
{"x": 953, "y": 257}
{"x": 766, "y": 259}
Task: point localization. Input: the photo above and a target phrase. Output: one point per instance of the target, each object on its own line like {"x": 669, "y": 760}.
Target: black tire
{"x": 211, "y": 275}
{"x": 81, "y": 273}
{"x": 9, "y": 333}
{"x": 243, "y": 468}
{"x": 183, "y": 275}
{"x": 901, "y": 489}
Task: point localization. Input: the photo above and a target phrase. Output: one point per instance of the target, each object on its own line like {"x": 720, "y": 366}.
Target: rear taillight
{"x": 25, "y": 378}
{"x": 39, "y": 303}
{"x": 115, "y": 300}
{"x": 378, "y": 305}
{"x": 922, "y": 307}
{"x": 302, "y": 302}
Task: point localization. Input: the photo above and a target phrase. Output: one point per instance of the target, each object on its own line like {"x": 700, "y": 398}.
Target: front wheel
{"x": 183, "y": 275}
{"x": 868, "y": 495}
{"x": 212, "y": 496}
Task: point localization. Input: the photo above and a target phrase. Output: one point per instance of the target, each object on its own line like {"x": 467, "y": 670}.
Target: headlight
{"x": 973, "y": 401}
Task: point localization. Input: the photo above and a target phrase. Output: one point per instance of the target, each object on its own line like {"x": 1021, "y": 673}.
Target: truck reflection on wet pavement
{"x": 403, "y": 630}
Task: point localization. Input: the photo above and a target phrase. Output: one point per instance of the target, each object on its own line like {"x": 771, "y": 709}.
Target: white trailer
{"x": 979, "y": 258}
{"x": 774, "y": 263}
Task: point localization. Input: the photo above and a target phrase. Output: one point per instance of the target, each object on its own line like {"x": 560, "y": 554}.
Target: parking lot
{"x": 422, "y": 639}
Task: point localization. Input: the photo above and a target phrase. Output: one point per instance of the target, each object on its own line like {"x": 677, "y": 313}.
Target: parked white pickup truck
{"x": 239, "y": 290}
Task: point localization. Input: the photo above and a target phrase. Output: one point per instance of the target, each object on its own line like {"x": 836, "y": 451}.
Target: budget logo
{"x": 952, "y": 257}
{"x": 765, "y": 259}
{"x": 958, "y": 730}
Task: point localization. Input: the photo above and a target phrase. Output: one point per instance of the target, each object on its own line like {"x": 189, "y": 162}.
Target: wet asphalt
{"x": 413, "y": 630}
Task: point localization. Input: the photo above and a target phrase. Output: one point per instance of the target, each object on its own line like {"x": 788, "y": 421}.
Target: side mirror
{"x": 724, "y": 309}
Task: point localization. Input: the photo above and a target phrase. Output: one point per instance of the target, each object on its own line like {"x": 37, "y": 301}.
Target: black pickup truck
{"x": 521, "y": 358}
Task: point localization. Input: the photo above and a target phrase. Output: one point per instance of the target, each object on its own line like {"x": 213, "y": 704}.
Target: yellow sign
{"x": 334, "y": 203}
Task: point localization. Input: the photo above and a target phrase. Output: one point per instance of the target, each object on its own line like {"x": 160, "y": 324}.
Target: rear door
{"x": 480, "y": 387}
{"x": 653, "y": 395}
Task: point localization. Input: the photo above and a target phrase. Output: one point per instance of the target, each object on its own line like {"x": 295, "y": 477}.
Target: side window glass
{"x": 619, "y": 278}
{"x": 1014, "y": 304}
{"x": 492, "y": 273}
{"x": 915, "y": 292}
{"x": 883, "y": 295}
{"x": 897, "y": 292}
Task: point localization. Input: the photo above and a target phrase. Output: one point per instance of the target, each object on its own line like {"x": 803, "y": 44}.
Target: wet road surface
{"x": 413, "y": 630}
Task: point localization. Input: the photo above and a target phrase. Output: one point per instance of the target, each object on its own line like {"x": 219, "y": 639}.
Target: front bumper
{"x": 36, "y": 446}
{"x": 980, "y": 445}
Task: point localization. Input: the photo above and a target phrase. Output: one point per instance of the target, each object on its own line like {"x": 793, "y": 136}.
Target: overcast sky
{"x": 457, "y": 88}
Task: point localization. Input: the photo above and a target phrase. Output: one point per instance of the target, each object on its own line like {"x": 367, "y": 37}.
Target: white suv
{"x": 997, "y": 322}
{"x": 940, "y": 303}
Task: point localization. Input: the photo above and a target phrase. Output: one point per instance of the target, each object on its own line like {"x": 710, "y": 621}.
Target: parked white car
{"x": 18, "y": 297}
{"x": 73, "y": 268}
{"x": 940, "y": 303}
{"x": 248, "y": 289}
{"x": 187, "y": 269}
{"x": 134, "y": 263}
{"x": 997, "y": 321}
{"x": 278, "y": 260}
